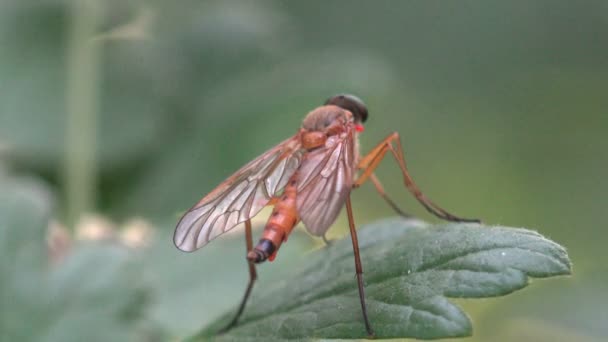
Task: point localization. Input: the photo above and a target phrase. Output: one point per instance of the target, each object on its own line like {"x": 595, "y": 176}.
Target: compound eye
{"x": 350, "y": 103}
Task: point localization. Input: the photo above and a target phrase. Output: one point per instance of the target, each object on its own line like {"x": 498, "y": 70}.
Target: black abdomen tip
{"x": 261, "y": 252}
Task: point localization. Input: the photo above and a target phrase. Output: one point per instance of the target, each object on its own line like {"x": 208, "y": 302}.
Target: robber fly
{"x": 307, "y": 178}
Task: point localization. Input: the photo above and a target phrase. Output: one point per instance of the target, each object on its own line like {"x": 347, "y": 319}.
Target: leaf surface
{"x": 410, "y": 271}
{"x": 97, "y": 293}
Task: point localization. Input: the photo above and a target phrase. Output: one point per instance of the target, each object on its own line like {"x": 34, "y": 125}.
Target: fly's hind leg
{"x": 358, "y": 267}
{"x": 252, "y": 278}
{"x": 371, "y": 161}
{"x": 327, "y": 242}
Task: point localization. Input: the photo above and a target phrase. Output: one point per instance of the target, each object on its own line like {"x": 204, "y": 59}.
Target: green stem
{"x": 82, "y": 101}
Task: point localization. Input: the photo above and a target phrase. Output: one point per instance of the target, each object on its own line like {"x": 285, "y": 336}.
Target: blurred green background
{"x": 133, "y": 110}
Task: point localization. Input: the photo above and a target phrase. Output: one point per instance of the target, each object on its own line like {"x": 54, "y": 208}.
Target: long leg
{"x": 382, "y": 193}
{"x": 358, "y": 268}
{"x": 327, "y": 242}
{"x": 371, "y": 161}
{"x": 252, "y": 277}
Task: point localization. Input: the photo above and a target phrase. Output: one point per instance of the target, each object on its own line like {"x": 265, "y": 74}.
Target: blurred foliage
{"x": 410, "y": 270}
{"x": 500, "y": 106}
{"x": 95, "y": 295}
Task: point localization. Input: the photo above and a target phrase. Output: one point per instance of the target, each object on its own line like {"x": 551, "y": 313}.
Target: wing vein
{"x": 245, "y": 193}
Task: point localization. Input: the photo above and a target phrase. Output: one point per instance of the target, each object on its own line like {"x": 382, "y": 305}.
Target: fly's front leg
{"x": 368, "y": 164}
{"x": 383, "y": 194}
{"x": 371, "y": 161}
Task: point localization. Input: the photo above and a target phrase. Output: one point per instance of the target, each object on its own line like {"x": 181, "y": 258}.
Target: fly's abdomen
{"x": 283, "y": 219}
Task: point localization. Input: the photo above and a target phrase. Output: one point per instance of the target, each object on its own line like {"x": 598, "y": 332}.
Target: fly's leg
{"x": 327, "y": 242}
{"x": 252, "y": 277}
{"x": 368, "y": 164}
{"x": 382, "y": 193}
{"x": 358, "y": 267}
{"x": 371, "y": 161}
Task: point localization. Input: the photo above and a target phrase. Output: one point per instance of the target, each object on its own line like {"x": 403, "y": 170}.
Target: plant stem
{"x": 82, "y": 102}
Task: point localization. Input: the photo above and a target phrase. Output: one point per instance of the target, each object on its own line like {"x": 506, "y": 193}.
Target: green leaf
{"x": 410, "y": 269}
{"x": 192, "y": 291}
{"x": 24, "y": 208}
{"x": 97, "y": 293}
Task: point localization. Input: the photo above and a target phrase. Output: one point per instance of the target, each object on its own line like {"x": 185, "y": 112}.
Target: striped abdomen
{"x": 283, "y": 219}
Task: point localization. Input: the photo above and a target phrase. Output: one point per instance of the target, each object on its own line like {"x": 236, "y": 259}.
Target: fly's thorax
{"x": 328, "y": 119}
{"x": 322, "y": 124}
{"x": 312, "y": 139}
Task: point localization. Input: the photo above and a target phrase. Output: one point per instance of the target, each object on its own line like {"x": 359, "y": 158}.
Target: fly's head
{"x": 338, "y": 112}
{"x": 352, "y": 104}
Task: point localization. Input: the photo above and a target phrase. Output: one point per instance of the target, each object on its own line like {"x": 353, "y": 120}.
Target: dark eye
{"x": 350, "y": 103}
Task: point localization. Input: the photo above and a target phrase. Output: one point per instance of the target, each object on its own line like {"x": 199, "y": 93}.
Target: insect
{"x": 307, "y": 178}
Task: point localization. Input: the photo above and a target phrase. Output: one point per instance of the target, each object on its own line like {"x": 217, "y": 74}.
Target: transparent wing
{"x": 325, "y": 178}
{"x": 238, "y": 198}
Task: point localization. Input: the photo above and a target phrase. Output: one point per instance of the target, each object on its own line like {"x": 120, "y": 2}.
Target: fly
{"x": 307, "y": 177}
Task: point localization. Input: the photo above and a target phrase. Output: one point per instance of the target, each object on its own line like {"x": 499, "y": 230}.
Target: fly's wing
{"x": 238, "y": 198}
{"x": 325, "y": 178}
